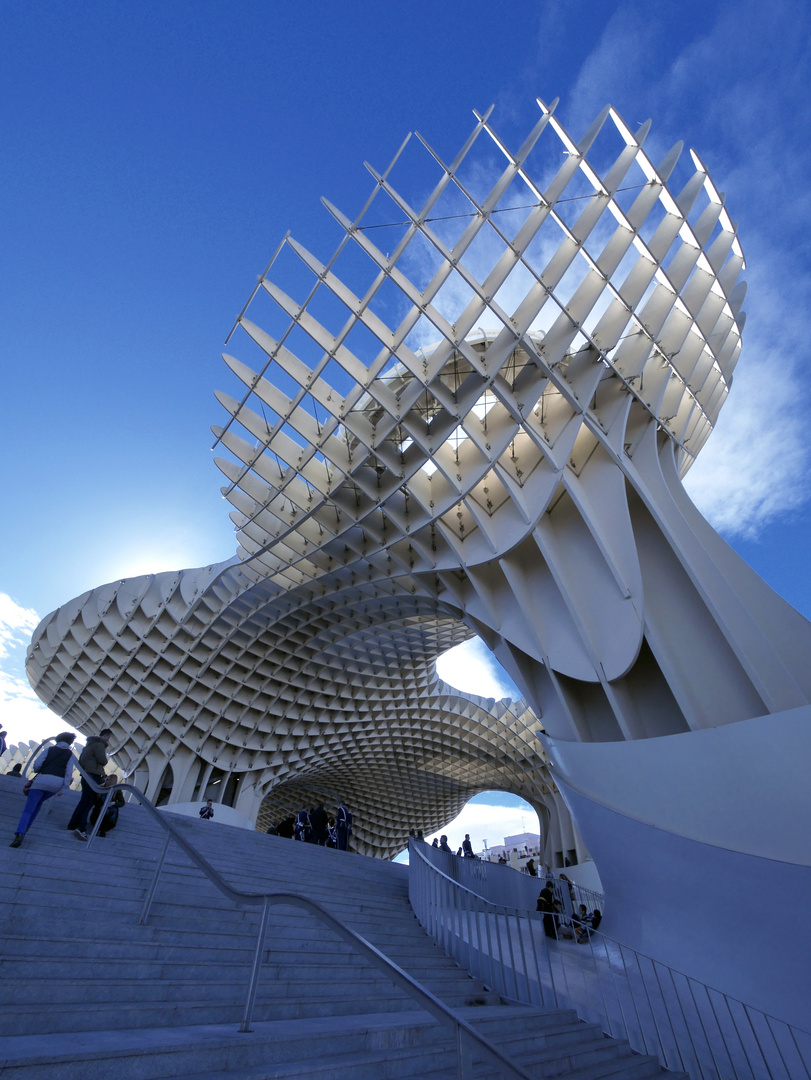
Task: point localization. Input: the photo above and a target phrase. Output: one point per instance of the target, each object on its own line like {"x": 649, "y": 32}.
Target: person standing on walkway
{"x": 303, "y": 827}
{"x": 207, "y": 812}
{"x": 319, "y": 819}
{"x": 546, "y": 905}
{"x": 92, "y": 760}
{"x": 54, "y": 768}
{"x": 286, "y": 828}
{"x": 343, "y": 827}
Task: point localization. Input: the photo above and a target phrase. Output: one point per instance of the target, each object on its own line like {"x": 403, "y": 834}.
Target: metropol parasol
{"x": 473, "y": 417}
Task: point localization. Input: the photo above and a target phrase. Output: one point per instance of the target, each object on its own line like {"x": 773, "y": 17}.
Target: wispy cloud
{"x": 472, "y": 668}
{"x": 16, "y": 624}
{"x": 744, "y": 74}
{"x": 491, "y": 823}
{"x": 487, "y": 821}
{"x": 754, "y": 469}
{"x": 24, "y": 716}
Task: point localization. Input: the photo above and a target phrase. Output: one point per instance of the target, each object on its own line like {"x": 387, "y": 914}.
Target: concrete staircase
{"x": 87, "y": 993}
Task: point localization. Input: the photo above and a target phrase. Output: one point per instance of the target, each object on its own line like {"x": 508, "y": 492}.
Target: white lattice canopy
{"x": 471, "y": 418}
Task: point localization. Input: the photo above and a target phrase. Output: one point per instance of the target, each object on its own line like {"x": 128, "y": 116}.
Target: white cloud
{"x": 487, "y": 822}
{"x": 24, "y": 716}
{"x": 754, "y": 468}
{"x": 472, "y": 668}
{"x": 731, "y": 92}
{"x": 490, "y": 823}
{"x": 16, "y": 624}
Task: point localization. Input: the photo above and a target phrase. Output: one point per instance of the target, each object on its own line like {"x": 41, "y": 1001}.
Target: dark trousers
{"x": 80, "y": 815}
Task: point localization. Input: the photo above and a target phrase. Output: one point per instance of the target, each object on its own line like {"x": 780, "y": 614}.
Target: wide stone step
{"x": 180, "y": 983}
{"x": 212, "y": 949}
{"x": 282, "y": 1044}
{"x": 380, "y": 1046}
{"x": 375, "y": 1045}
{"x": 26, "y": 1018}
{"x": 85, "y": 992}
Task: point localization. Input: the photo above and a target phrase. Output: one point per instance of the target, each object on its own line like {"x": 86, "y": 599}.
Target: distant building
{"x": 514, "y": 848}
{"x": 530, "y": 841}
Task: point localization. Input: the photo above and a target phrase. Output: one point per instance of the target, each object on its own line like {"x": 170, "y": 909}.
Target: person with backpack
{"x": 54, "y": 768}
{"x": 303, "y": 827}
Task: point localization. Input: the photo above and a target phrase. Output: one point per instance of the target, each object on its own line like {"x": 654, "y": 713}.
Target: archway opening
{"x": 165, "y": 786}
{"x": 496, "y": 821}
{"x": 473, "y": 669}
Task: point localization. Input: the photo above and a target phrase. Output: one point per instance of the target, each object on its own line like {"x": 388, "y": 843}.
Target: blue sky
{"x": 155, "y": 154}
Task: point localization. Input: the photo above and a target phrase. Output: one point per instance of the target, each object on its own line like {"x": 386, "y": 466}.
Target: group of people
{"x": 313, "y": 825}
{"x": 54, "y": 771}
{"x": 557, "y": 924}
{"x": 465, "y": 850}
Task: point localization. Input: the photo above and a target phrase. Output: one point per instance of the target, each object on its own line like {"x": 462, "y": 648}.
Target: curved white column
{"x": 703, "y": 851}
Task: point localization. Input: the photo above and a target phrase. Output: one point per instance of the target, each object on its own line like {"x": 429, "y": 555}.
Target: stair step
{"x": 105, "y": 996}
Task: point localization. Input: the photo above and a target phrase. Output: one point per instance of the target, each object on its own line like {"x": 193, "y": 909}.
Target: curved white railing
{"x": 658, "y": 1010}
{"x": 502, "y": 884}
{"x": 470, "y": 1044}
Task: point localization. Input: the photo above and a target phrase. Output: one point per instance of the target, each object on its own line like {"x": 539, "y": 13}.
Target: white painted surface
{"x": 733, "y": 921}
{"x": 223, "y": 815}
{"x": 740, "y": 786}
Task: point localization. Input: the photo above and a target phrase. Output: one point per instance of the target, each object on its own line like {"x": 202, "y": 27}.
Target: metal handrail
{"x": 501, "y": 883}
{"x": 657, "y": 1009}
{"x": 464, "y": 1033}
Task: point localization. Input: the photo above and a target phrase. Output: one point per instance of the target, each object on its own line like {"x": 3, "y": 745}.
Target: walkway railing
{"x": 502, "y": 884}
{"x": 470, "y": 1044}
{"x": 656, "y": 1009}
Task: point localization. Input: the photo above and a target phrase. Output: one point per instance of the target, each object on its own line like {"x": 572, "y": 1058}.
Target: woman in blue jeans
{"x": 54, "y": 768}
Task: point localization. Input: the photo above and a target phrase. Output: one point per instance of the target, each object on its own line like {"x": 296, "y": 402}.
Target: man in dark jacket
{"x": 546, "y": 904}
{"x": 286, "y": 828}
{"x": 343, "y": 826}
{"x": 92, "y": 760}
{"x": 319, "y": 819}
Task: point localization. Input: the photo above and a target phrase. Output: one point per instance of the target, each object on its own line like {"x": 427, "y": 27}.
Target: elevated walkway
{"x": 86, "y": 992}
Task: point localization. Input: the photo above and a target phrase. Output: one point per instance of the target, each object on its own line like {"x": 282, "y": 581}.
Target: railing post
{"x": 564, "y": 962}
{"x": 151, "y": 893}
{"x": 708, "y": 1042}
{"x": 256, "y": 968}
{"x": 464, "y": 1056}
{"x": 598, "y": 978}
{"x": 513, "y": 964}
{"x": 100, "y": 817}
{"x": 771, "y": 1032}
